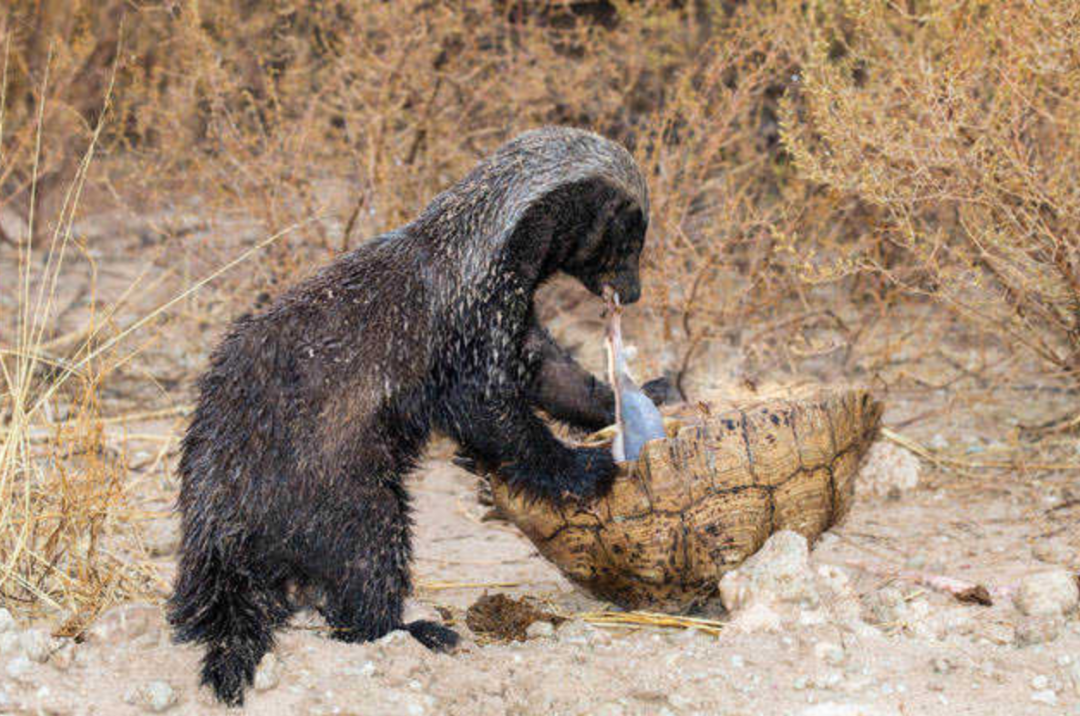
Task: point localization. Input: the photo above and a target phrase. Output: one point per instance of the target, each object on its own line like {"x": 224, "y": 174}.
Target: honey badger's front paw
{"x": 434, "y": 636}
{"x": 580, "y": 474}
{"x": 594, "y": 473}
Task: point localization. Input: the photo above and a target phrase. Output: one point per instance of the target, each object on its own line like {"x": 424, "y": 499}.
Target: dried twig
{"x": 650, "y": 619}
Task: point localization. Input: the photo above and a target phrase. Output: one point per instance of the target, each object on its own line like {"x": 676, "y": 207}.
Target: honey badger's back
{"x": 288, "y": 387}
{"x": 313, "y": 410}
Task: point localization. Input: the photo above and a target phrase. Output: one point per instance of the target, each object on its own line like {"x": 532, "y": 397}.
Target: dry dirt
{"x": 933, "y": 655}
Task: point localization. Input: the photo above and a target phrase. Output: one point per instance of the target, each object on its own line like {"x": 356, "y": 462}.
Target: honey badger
{"x": 314, "y": 410}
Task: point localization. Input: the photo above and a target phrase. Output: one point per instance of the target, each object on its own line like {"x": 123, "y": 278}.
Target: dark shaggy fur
{"x": 314, "y": 410}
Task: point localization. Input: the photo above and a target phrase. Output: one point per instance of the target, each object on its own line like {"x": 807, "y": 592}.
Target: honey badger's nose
{"x": 628, "y": 288}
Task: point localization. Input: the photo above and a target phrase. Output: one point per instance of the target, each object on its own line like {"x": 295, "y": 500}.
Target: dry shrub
{"x": 62, "y": 487}
{"x": 361, "y": 110}
{"x": 957, "y": 125}
{"x": 61, "y": 484}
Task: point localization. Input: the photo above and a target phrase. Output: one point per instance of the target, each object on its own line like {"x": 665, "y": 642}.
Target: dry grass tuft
{"x": 69, "y": 537}
{"x": 639, "y": 619}
{"x": 59, "y": 500}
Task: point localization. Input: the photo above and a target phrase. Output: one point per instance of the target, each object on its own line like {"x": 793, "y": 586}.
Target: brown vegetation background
{"x": 838, "y": 186}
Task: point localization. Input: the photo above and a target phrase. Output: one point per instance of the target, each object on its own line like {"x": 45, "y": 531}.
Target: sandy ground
{"x": 950, "y": 658}
{"x": 927, "y": 654}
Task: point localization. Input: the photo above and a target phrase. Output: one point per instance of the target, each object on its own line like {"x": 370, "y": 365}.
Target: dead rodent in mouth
{"x": 637, "y": 418}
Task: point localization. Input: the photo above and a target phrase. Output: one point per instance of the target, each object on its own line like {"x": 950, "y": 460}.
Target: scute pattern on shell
{"x": 699, "y": 503}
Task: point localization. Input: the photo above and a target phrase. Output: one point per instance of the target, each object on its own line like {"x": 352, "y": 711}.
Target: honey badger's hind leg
{"x": 364, "y": 567}
{"x": 232, "y": 604}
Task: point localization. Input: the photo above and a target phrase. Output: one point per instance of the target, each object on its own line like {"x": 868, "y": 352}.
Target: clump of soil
{"x": 500, "y": 618}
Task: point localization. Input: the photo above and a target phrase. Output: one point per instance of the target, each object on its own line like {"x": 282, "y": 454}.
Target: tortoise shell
{"x": 701, "y": 501}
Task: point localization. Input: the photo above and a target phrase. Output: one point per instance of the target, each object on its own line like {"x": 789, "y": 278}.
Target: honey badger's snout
{"x": 625, "y": 284}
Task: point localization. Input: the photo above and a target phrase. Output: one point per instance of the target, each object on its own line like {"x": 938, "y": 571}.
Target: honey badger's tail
{"x": 223, "y": 601}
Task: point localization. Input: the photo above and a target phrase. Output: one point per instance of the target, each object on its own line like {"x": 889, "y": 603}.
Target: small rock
{"x": 37, "y": 644}
{"x": 64, "y": 656}
{"x": 887, "y": 606}
{"x": 948, "y": 621}
{"x": 829, "y": 652}
{"x": 942, "y": 665}
{"x": 19, "y": 668}
{"x": 778, "y": 572}
{"x": 577, "y": 631}
{"x": 365, "y": 669}
{"x": 9, "y": 642}
{"x": 830, "y": 680}
{"x": 540, "y": 630}
{"x": 1046, "y": 696}
{"x": 757, "y": 617}
{"x": 7, "y": 622}
{"x": 834, "y": 578}
{"x": 1039, "y": 682}
{"x": 126, "y": 623}
{"x": 267, "y": 676}
{"x": 393, "y": 637}
{"x": 154, "y": 696}
{"x": 1038, "y": 630}
{"x": 888, "y": 470}
{"x": 1048, "y": 593}
{"x": 996, "y": 632}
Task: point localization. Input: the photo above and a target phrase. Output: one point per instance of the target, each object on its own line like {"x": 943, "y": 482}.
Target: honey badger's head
{"x": 553, "y": 200}
{"x": 609, "y": 253}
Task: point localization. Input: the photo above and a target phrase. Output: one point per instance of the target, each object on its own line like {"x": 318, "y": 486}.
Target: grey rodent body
{"x": 637, "y": 418}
